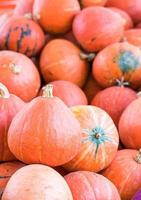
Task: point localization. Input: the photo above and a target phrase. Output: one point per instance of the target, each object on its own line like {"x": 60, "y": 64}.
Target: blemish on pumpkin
{"x": 93, "y": 39}
{"x": 7, "y": 38}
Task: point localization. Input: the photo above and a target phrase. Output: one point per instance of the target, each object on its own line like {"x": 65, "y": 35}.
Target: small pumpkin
{"x": 117, "y": 63}
{"x": 91, "y": 186}
{"x": 55, "y": 17}
{"x": 137, "y": 196}
{"x": 19, "y": 75}
{"x": 60, "y": 60}
{"x": 50, "y": 133}
{"x": 23, "y": 8}
{"x": 88, "y": 3}
{"x": 114, "y": 100}
{"x": 22, "y": 35}
{"x": 92, "y": 25}
{"x": 10, "y": 105}
{"x": 37, "y": 182}
{"x": 125, "y": 172}
{"x": 133, "y": 36}
{"x": 69, "y": 93}
{"x": 99, "y": 142}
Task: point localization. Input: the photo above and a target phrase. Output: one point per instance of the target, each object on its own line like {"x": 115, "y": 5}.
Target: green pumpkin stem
{"x": 85, "y": 56}
{"x": 4, "y": 93}
{"x": 138, "y": 157}
{"x": 48, "y": 91}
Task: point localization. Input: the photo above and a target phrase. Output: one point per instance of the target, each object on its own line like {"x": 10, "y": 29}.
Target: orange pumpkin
{"x": 10, "y": 105}
{"x": 60, "y": 60}
{"x": 99, "y": 142}
{"x": 23, "y": 7}
{"x": 128, "y": 20}
{"x": 117, "y": 63}
{"x": 133, "y": 36}
{"x": 132, "y": 7}
{"x": 19, "y": 75}
{"x": 37, "y": 182}
{"x": 91, "y": 88}
{"x": 125, "y": 172}
{"x": 114, "y": 100}
{"x": 69, "y": 93}
{"x": 88, "y": 3}
{"x": 129, "y": 125}
{"x": 97, "y": 27}
{"x": 7, "y": 169}
{"x": 54, "y": 16}
{"x": 50, "y": 132}
{"x": 22, "y": 35}
{"x": 89, "y": 185}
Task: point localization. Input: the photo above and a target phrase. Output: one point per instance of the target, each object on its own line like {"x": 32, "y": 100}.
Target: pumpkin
{"x": 50, "y": 133}
{"x": 92, "y": 26}
{"x": 37, "y": 182}
{"x": 7, "y": 169}
{"x": 114, "y": 100}
{"x": 128, "y": 20}
{"x": 132, "y": 7}
{"x": 10, "y": 105}
{"x": 22, "y": 35}
{"x": 89, "y": 185}
{"x": 60, "y": 60}
{"x": 88, "y": 3}
{"x": 91, "y": 88}
{"x": 23, "y": 7}
{"x": 19, "y": 75}
{"x": 117, "y": 63}
{"x": 69, "y": 93}
{"x": 133, "y": 36}
{"x": 137, "y": 196}
{"x": 54, "y": 16}
{"x": 129, "y": 125}
{"x": 125, "y": 172}
{"x": 99, "y": 142}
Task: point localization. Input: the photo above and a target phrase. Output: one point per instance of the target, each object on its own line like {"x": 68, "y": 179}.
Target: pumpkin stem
{"x": 28, "y": 15}
{"x": 15, "y": 68}
{"x": 122, "y": 83}
{"x": 138, "y": 157}
{"x": 48, "y": 91}
{"x": 88, "y": 57}
{"x": 4, "y": 93}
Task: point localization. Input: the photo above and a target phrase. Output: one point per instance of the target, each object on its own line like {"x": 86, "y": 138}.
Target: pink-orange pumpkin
{"x": 125, "y": 172}
{"x": 23, "y": 7}
{"x": 99, "y": 142}
{"x": 133, "y": 36}
{"x": 91, "y": 186}
{"x": 114, "y": 100}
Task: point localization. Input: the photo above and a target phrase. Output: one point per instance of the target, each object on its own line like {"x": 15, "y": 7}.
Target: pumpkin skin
{"x": 133, "y": 8}
{"x": 55, "y": 17}
{"x": 88, "y": 3}
{"x": 19, "y": 75}
{"x": 54, "y": 126}
{"x": 99, "y": 142}
{"x": 7, "y": 169}
{"x": 137, "y": 196}
{"x": 91, "y": 88}
{"x": 117, "y": 62}
{"x": 133, "y": 36}
{"x": 95, "y": 38}
{"x": 114, "y": 100}
{"x": 57, "y": 62}
{"x": 22, "y": 35}
{"x": 37, "y": 182}
{"x": 91, "y": 186}
{"x": 69, "y": 93}
{"x": 10, "y": 105}
{"x": 128, "y": 21}
{"x": 129, "y": 127}
{"x": 23, "y": 7}
{"x": 124, "y": 172}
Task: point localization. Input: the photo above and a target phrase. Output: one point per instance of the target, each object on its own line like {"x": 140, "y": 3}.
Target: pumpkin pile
{"x": 70, "y": 100}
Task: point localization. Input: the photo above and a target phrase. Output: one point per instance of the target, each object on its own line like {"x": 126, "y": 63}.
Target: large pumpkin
{"x": 22, "y": 35}
{"x": 114, "y": 100}
{"x": 99, "y": 140}
{"x": 10, "y": 105}
{"x": 50, "y": 133}
{"x": 137, "y": 196}
{"x": 130, "y": 126}
{"x": 36, "y": 182}
{"x": 60, "y": 60}
{"x": 19, "y": 74}
{"x": 133, "y": 36}
{"x": 132, "y": 7}
{"x": 88, "y": 3}
{"x": 97, "y": 27}
{"x": 125, "y": 172}
{"x": 7, "y": 169}
{"x": 23, "y": 7}
{"x": 54, "y": 16}
{"x": 69, "y": 93}
{"x": 91, "y": 186}
{"x": 117, "y": 63}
